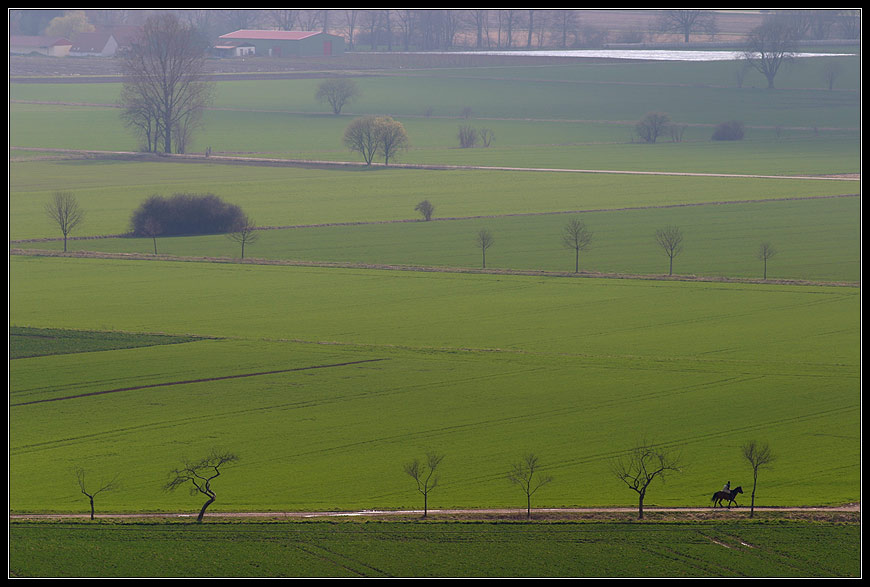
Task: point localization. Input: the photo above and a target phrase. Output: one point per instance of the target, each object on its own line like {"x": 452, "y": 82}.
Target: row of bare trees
{"x": 637, "y": 468}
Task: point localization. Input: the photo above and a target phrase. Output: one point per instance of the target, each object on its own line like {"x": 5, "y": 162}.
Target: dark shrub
{"x": 185, "y": 214}
{"x": 728, "y": 131}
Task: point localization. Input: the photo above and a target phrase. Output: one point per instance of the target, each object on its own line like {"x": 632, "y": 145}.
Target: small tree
{"x": 758, "y": 456}
{"x": 426, "y": 209}
{"x": 361, "y": 136}
{"x": 670, "y": 239}
{"x": 101, "y": 487}
{"x": 770, "y": 46}
{"x": 151, "y": 228}
{"x": 424, "y": 475}
{"x": 391, "y": 137}
{"x": 765, "y": 252}
{"x": 337, "y": 93}
{"x": 831, "y": 70}
{"x": 652, "y": 126}
{"x": 246, "y": 234}
{"x": 640, "y": 466}
{"x": 731, "y": 130}
{"x": 484, "y": 241}
{"x": 65, "y": 212}
{"x": 467, "y": 136}
{"x": 577, "y": 237}
{"x": 200, "y": 474}
{"x": 526, "y": 474}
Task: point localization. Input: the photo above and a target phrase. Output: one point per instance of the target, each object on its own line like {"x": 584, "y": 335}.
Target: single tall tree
{"x": 640, "y": 466}
{"x": 770, "y": 46}
{"x": 92, "y": 492}
{"x": 163, "y": 89}
{"x": 758, "y": 456}
{"x": 527, "y": 475}
{"x": 424, "y": 475}
{"x": 670, "y": 239}
{"x": 65, "y": 212}
{"x": 392, "y": 137}
{"x": 426, "y": 209}
{"x": 361, "y": 135}
{"x": 686, "y": 22}
{"x": 577, "y": 237}
{"x": 765, "y": 252}
{"x": 245, "y": 234}
{"x": 484, "y": 241}
{"x": 199, "y": 475}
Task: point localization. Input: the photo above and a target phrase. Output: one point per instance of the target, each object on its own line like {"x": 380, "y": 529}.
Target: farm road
{"x": 500, "y": 513}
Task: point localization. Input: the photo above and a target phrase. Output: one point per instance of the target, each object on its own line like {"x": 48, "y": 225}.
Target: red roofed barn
{"x": 286, "y": 43}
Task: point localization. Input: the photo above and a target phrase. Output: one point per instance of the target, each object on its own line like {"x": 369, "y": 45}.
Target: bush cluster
{"x": 182, "y": 214}
{"x": 728, "y": 131}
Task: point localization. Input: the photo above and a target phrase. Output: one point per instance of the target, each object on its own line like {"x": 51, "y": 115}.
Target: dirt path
{"x": 483, "y": 514}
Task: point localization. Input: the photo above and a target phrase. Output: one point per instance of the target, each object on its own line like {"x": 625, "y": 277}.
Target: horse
{"x": 729, "y": 496}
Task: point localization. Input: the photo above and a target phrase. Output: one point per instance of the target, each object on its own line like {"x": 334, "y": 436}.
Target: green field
{"x": 326, "y": 376}
{"x": 385, "y": 550}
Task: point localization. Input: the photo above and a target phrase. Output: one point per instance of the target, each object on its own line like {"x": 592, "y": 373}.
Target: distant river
{"x": 642, "y": 54}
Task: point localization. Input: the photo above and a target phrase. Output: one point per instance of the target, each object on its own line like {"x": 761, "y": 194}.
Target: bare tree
{"x": 769, "y": 46}
{"x": 758, "y": 456}
{"x": 686, "y": 22}
{"x": 765, "y": 252}
{"x": 831, "y": 70}
{"x": 245, "y": 234}
{"x": 424, "y": 475}
{"x": 337, "y": 92}
{"x": 151, "y": 228}
{"x": 426, "y": 209}
{"x": 670, "y": 239}
{"x": 361, "y": 136}
{"x": 163, "y": 88}
{"x": 65, "y": 212}
{"x": 101, "y": 487}
{"x": 200, "y": 474}
{"x": 640, "y": 466}
{"x": 484, "y": 241}
{"x": 577, "y": 237}
{"x": 652, "y": 126}
{"x": 527, "y": 475}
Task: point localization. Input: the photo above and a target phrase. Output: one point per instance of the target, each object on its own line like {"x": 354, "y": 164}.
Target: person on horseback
{"x": 727, "y": 487}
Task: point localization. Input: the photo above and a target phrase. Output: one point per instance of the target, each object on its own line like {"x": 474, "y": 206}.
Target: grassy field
{"x": 385, "y": 550}
{"x": 325, "y": 381}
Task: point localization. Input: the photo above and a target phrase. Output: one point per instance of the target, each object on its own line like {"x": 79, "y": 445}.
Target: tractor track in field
{"x": 201, "y": 380}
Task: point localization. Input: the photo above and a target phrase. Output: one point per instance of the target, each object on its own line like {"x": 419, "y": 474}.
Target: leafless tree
{"x": 686, "y": 22}
{"x": 93, "y": 492}
{"x": 337, "y": 92}
{"x": 245, "y": 234}
{"x": 426, "y": 208}
{"x": 199, "y": 475}
{"x": 577, "y": 237}
{"x": 765, "y": 252}
{"x": 361, "y": 136}
{"x": 163, "y": 88}
{"x": 670, "y": 239}
{"x": 831, "y": 70}
{"x": 486, "y": 136}
{"x": 425, "y": 477}
{"x": 758, "y": 456}
{"x": 467, "y": 136}
{"x": 640, "y": 466}
{"x": 65, "y": 212}
{"x": 769, "y": 47}
{"x": 527, "y": 475}
{"x": 151, "y": 229}
{"x": 484, "y": 241}
{"x": 652, "y": 126}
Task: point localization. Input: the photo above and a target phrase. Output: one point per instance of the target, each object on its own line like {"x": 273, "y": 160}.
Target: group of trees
{"x": 371, "y": 136}
{"x": 636, "y": 468}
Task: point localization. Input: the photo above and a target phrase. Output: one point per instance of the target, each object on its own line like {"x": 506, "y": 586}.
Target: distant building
{"x": 287, "y": 43}
{"x": 101, "y": 44}
{"x": 51, "y": 46}
{"x": 234, "y": 49}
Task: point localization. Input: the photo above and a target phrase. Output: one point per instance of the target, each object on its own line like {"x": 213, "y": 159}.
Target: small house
{"x": 100, "y": 44}
{"x": 27, "y": 44}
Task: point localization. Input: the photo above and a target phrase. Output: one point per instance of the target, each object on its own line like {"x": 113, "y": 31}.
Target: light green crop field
{"x": 325, "y": 381}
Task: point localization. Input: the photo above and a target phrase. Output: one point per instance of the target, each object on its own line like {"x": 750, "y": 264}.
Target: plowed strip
{"x": 55, "y": 399}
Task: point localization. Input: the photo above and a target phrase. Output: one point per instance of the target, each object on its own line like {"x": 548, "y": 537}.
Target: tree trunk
{"x": 640, "y": 506}
{"x": 204, "y": 507}
{"x": 92, "y": 506}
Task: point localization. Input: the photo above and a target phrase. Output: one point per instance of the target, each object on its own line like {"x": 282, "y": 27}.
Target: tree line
{"x": 636, "y": 468}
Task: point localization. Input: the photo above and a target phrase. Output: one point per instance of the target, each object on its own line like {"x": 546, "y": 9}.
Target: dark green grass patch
{"x": 38, "y": 342}
{"x": 435, "y": 549}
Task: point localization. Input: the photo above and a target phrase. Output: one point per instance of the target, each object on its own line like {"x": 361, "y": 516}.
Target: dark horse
{"x": 729, "y": 496}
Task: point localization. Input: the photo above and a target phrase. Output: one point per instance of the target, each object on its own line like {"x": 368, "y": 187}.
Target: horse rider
{"x": 727, "y": 487}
